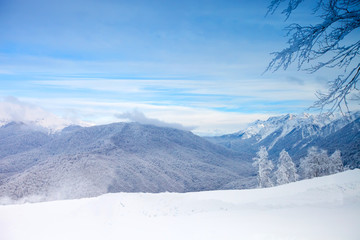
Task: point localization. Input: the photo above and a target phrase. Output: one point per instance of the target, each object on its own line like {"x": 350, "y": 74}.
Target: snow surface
{"x": 322, "y": 208}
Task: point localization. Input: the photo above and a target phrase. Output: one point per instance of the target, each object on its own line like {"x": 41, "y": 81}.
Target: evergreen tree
{"x": 317, "y": 163}
{"x": 314, "y": 164}
{"x": 286, "y": 171}
{"x": 336, "y": 164}
{"x": 264, "y": 166}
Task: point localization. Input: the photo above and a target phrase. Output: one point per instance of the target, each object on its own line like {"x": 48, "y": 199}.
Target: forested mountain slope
{"x": 120, "y": 157}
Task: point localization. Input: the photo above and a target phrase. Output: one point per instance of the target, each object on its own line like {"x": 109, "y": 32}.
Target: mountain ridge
{"x": 121, "y": 157}
{"x": 295, "y": 134}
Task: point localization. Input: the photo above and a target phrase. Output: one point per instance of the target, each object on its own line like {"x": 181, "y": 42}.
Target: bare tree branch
{"x": 326, "y": 44}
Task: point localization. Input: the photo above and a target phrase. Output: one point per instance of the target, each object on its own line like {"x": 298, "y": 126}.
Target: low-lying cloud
{"x": 14, "y": 110}
{"x": 137, "y": 116}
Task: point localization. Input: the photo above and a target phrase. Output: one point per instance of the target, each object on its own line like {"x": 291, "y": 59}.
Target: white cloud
{"x": 12, "y": 109}
{"x": 207, "y": 121}
{"x": 254, "y": 95}
{"x": 99, "y": 84}
{"x": 261, "y": 88}
{"x": 137, "y": 116}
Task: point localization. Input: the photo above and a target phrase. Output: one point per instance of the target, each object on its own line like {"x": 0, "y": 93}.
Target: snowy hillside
{"x": 120, "y": 157}
{"x": 296, "y": 133}
{"x": 322, "y": 208}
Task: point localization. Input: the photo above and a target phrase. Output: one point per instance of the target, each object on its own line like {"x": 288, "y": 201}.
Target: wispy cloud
{"x": 207, "y": 121}
{"x": 2, "y": 71}
{"x": 226, "y": 93}
{"x": 137, "y": 116}
{"x": 181, "y": 67}
{"x": 12, "y": 109}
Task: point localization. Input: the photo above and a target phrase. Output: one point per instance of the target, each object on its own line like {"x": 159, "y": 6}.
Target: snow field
{"x": 322, "y": 208}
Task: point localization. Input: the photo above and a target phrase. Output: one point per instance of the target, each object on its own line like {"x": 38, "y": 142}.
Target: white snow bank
{"x": 323, "y": 208}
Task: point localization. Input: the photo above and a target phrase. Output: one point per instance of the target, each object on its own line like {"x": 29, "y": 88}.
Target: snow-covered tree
{"x": 317, "y": 163}
{"x": 265, "y": 166}
{"x": 286, "y": 171}
{"x": 335, "y": 163}
{"x": 330, "y": 43}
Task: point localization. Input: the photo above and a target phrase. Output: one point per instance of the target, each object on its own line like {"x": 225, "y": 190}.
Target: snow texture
{"x": 320, "y": 208}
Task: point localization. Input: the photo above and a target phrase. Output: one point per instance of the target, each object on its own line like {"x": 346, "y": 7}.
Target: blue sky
{"x": 195, "y": 63}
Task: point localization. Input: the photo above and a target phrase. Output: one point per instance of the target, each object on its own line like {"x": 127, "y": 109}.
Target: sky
{"x": 196, "y": 64}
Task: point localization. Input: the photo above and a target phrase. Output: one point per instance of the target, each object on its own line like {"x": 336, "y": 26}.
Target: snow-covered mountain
{"x": 296, "y": 133}
{"x": 45, "y": 122}
{"x": 321, "y": 208}
{"x": 14, "y": 110}
{"x": 120, "y": 157}
{"x": 131, "y": 157}
{"x": 19, "y": 137}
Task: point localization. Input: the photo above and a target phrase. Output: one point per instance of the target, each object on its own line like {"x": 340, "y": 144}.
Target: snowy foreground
{"x": 322, "y": 208}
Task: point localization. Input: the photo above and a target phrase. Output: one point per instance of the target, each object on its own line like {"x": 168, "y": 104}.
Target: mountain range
{"x": 120, "y": 157}
{"x": 80, "y": 161}
{"x": 296, "y": 133}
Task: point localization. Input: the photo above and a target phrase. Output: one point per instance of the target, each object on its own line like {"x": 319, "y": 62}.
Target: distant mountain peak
{"x": 286, "y": 123}
{"x": 296, "y": 133}
{"x": 14, "y": 110}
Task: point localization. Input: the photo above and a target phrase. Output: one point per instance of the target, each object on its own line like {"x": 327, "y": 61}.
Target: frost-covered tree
{"x": 315, "y": 163}
{"x": 265, "y": 166}
{"x": 333, "y": 42}
{"x": 286, "y": 171}
{"x": 335, "y": 163}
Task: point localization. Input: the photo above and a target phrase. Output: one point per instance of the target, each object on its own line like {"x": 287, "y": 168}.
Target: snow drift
{"x": 322, "y": 208}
